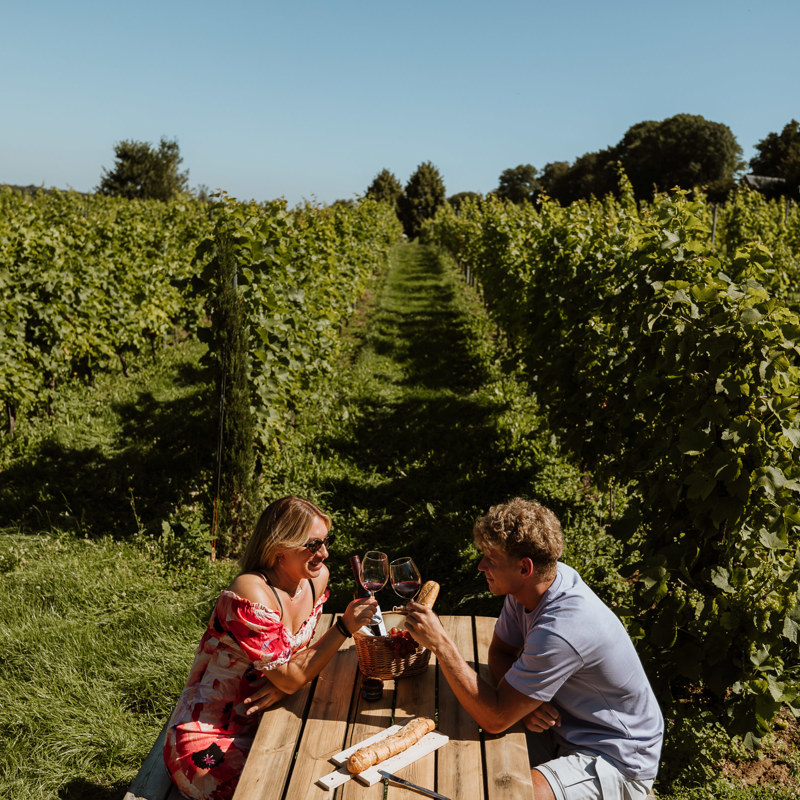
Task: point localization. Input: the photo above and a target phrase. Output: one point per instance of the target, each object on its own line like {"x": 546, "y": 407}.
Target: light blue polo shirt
{"x": 577, "y": 655}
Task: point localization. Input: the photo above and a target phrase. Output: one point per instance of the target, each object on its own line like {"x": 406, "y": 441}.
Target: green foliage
{"x": 684, "y": 151}
{"x": 455, "y": 200}
{"x": 748, "y": 219}
{"x": 778, "y": 156}
{"x": 424, "y": 194}
{"x": 668, "y": 367}
{"x": 300, "y": 276}
{"x": 551, "y": 175}
{"x": 518, "y": 184}
{"x": 87, "y": 281}
{"x": 143, "y": 172}
{"x": 185, "y": 542}
{"x": 117, "y": 456}
{"x": 590, "y": 175}
{"x": 234, "y": 497}
{"x": 387, "y": 188}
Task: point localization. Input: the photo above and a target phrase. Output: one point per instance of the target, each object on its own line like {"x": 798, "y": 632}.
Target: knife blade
{"x": 404, "y": 782}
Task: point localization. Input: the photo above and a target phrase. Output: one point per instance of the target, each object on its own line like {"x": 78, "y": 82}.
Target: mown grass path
{"x": 424, "y": 432}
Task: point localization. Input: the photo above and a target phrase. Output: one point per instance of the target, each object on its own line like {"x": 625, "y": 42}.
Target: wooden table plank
{"x": 326, "y": 726}
{"x": 415, "y": 696}
{"x": 507, "y": 767}
{"x": 272, "y": 753}
{"x": 368, "y": 718}
{"x": 459, "y": 762}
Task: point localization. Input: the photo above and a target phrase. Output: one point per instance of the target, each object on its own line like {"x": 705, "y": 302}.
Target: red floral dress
{"x": 209, "y": 734}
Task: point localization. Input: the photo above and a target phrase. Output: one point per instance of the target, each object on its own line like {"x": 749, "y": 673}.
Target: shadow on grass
{"x": 158, "y": 456}
{"x": 85, "y": 790}
{"x": 435, "y": 445}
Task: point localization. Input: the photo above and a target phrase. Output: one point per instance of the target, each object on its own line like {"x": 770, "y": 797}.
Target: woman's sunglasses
{"x": 313, "y": 545}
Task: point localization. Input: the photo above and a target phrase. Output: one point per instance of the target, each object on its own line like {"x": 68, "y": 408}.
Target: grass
{"x": 104, "y": 521}
{"x": 97, "y": 642}
{"x": 115, "y": 457}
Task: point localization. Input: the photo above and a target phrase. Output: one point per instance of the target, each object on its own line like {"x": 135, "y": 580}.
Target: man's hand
{"x": 424, "y": 626}
{"x": 543, "y": 718}
{"x": 264, "y": 694}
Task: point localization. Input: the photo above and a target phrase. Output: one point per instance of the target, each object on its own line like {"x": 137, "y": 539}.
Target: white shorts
{"x": 587, "y": 776}
{"x": 581, "y": 774}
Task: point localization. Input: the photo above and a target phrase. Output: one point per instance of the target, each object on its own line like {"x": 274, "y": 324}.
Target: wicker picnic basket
{"x": 376, "y": 659}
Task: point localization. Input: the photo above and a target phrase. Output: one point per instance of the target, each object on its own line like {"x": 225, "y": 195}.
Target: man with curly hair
{"x": 562, "y": 662}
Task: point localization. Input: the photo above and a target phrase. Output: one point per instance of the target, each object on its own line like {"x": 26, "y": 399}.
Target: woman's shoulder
{"x": 252, "y": 586}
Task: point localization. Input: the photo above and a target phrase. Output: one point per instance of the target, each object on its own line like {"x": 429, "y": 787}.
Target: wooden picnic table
{"x": 297, "y": 737}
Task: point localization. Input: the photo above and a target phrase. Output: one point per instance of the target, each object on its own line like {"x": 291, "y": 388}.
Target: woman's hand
{"x": 359, "y": 612}
{"x": 543, "y": 718}
{"x": 264, "y": 694}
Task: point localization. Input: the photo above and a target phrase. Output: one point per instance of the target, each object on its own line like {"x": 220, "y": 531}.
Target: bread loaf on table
{"x": 372, "y": 754}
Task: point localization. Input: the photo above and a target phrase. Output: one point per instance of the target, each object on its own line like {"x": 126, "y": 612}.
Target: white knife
{"x": 404, "y": 782}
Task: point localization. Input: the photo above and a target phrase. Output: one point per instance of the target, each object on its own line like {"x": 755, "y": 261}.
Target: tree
{"x": 519, "y": 184}
{"x": 592, "y": 174}
{"x": 551, "y": 175}
{"x": 458, "y": 199}
{"x": 235, "y": 491}
{"x": 142, "y": 171}
{"x": 424, "y": 194}
{"x": 686, "y": 151}
{"x": 386, "y": 187}
{"x": 779, "y": 156}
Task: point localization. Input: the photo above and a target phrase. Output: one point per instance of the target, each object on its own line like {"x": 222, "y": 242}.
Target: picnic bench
{"x": 297, "y": 738}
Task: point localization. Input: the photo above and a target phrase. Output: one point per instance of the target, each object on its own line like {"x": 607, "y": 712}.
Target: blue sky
{"x": 309, "y": 100}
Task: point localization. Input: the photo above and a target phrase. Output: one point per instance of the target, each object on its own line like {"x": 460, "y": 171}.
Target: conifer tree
{"x": 424, "y": 194}
{"x": 385, "y": 186}
{"x": 235, "y": 490}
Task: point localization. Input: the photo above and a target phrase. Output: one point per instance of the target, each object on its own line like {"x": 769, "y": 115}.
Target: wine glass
{"x": 374, "y": 571}
{"x": 405, "y": 578}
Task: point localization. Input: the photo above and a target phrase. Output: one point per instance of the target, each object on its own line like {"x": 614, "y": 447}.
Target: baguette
{"x": 409, "y": 734}
{"x": 428, "y": 594}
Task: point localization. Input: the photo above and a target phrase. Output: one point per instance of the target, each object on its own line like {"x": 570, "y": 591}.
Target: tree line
{"x": 684, "y": 151}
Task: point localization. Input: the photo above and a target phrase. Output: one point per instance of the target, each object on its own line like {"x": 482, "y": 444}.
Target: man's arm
{"x": 494, "y": 710}
{"x": 501, "y": 657}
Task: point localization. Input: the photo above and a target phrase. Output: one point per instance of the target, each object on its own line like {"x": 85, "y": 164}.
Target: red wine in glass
{"x": 406, "y": 589}
{"x": 374, "y": 574}
{"x": 405, "y": 577}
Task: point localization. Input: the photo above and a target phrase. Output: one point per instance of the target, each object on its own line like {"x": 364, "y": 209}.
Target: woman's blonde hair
{"x": 283, "y": 525}
{"x": 523, "y": 529}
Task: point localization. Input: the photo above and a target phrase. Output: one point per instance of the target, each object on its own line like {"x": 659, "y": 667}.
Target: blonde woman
{"x": 256, "y": 648}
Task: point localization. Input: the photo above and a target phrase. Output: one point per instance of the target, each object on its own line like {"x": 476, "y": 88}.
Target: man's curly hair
{"x": 522, "y": 529}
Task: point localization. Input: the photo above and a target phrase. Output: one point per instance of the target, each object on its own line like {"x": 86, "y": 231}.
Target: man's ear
{"x": 526, "y": 567}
